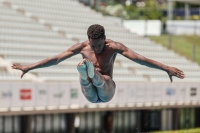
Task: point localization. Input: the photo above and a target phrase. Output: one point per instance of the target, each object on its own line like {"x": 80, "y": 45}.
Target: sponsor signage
{"x": 6, "y": 94}
{"x": 25, "y": 94}
{"x": 170, "y": 91}
{"x": 42, "y": 91}
{"x": 193, "y": 91}
{"x": 56, "y": 94}
{"x": 53, "y": 95}
{"x": 64, "y": 98}
{"x": 74, "y": 93}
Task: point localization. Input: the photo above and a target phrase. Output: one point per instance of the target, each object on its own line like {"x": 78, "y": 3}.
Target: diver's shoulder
{"x": 84, "y": 43}
{"x": 111, "y": 43}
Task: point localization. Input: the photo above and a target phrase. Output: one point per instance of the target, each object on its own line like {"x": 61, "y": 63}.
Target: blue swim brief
{"x": 99, "y": 101}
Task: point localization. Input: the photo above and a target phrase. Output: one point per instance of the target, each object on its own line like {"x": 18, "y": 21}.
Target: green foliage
{"x": 179, "y": 5}
{"x": 152, "y": 11}
{"x": 195, "y": 130}
{"x": 109, "y": 2}
{"x": 195, "y": 17}
{"x": 132, "y": 12}
{"x": 116, "y": 10}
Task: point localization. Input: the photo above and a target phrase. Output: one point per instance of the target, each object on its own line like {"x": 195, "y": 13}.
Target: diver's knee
{"x": 106, "y": 98}
{"x": 92, "y": 100}
{"x": 107, "y": 78}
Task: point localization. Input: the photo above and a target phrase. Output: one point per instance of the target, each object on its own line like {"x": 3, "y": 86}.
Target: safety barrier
{"x": 23, "y": 96}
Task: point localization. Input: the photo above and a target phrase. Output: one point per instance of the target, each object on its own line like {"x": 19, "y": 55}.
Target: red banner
{"x": 25, "y": 94}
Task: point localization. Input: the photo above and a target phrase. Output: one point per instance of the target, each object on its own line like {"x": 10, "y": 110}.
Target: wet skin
{"x": 101, "y": 55}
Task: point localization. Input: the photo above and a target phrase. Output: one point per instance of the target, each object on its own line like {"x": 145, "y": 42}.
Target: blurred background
{"x": 49, "y": 100}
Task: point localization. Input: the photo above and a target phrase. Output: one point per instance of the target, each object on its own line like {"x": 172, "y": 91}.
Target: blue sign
{"x": 170, "y": 91}
{"x": 6, "y": 94}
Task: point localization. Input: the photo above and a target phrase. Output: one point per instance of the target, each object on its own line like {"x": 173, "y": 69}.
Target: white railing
{"x": 143, "y": 27}
{"x": 183, "y": 27}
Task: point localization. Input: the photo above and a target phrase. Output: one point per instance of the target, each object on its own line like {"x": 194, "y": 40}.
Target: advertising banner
{"x": 65, "y": 97}
{"x": 132, "y": 93}
{"x": 5, "y": 95}
{"x": 54, "y": 94}
{"x": 18, "y": 94}
{"x": 27, "y": 94}
{"x": 23, "y": 94}
{"x": 193, "y": 92}
{"x": 149, "y": 92}
{"x": 170, "y": 92}
{"x": 74, "y": 93}
{"x": 41, "y": 94}
{"x": 157, "y": 92}
{"x": 141, "y": 93}
{"x": 121, "y": 90}
{"x": 174, "y": 91}
{"x": 182, "y": 93}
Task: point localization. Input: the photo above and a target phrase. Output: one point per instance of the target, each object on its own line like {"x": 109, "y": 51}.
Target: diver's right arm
{"x": 75, "y": 49}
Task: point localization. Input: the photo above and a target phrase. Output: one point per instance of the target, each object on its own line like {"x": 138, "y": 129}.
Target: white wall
{"x": 142, "y": 27}
{"x": 183, "y": 27}
{"x": 30, "y": 96}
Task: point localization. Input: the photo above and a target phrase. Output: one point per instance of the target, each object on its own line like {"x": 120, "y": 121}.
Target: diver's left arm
{"x": 128, "y": 53}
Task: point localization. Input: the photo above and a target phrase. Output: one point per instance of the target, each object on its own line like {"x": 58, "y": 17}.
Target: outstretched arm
{"x": 172, "y": 71}
{"x": 75, "y": 49}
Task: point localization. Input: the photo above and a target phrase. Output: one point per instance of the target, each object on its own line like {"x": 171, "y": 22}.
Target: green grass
{"x": 196, "y": 130}
{"x": 181, "y": 44}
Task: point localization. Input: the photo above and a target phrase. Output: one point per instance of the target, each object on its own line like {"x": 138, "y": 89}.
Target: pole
{"x": 98, "y": 5}
{"x": 70, "y": 119}
{"x": 170, "y": 17}
{"x": 194, "y": 52}
{"x": 199, "y": 12}
{"x": 25, "y": 123}
{"x": 91, "y": 3}
{"x": 145, "y": 30}
{"x": 187, "y": 11}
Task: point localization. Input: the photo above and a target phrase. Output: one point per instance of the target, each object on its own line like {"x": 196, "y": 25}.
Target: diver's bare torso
{"x": 104, "y": 61}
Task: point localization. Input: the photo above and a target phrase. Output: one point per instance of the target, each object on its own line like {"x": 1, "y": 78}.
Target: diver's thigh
{"x": 89, "y": 91}
{"x": 107, "y": 90}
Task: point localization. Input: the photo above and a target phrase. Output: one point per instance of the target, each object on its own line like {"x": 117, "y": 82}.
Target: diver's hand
{"x": 172, "y": 71}
{"x": 24, "y": 69}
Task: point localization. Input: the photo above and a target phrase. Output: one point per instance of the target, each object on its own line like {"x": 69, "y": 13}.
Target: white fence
{"x": 183, "y": 27}
{"x": 154, "y": 27}
{"x": 142, "y": 27}
{"x": 47, "y": 96}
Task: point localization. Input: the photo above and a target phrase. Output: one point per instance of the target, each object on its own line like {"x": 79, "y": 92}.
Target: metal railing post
{"x": 170, "y": 17}
{"x": 194, "y": 52}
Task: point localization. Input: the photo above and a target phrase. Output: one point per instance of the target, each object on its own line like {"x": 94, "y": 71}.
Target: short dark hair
{"x": 96, "y": 31}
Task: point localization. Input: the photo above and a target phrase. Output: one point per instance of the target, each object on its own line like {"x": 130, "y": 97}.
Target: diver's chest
{"x": 99, "y": 60}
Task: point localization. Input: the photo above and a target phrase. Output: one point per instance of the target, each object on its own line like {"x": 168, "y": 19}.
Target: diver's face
{"x": 97, "y": 45}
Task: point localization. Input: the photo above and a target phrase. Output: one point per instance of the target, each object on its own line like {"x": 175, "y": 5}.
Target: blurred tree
{"x": 116, "y": 10}
{"x": 182, "y": 5}
{"x": 132, "y": 12}
{"x": 152, "y": 10}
